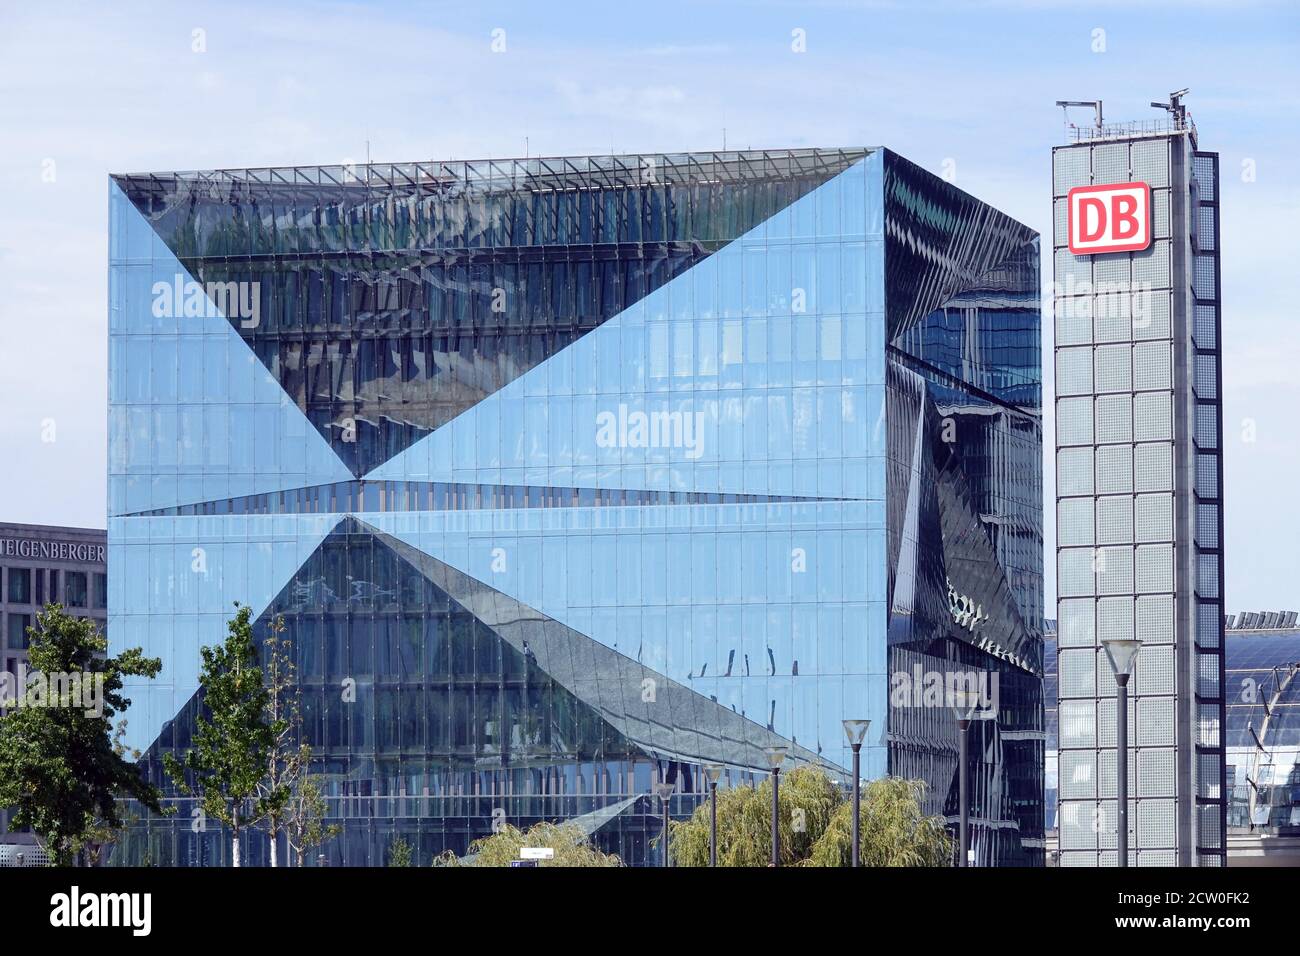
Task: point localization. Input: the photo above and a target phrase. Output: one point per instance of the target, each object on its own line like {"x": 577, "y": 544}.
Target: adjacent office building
{"x": 569, "y": 476}
{"x": 1139, "y": 489}
{"x": 1261, "y": 738}
{"x": 39, "y": 565}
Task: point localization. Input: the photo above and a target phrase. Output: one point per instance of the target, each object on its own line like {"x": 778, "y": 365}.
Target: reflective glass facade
{"x": 582, "y": 472}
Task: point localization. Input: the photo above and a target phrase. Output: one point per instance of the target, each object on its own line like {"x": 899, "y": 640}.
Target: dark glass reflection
{"x": 965, "y": 498}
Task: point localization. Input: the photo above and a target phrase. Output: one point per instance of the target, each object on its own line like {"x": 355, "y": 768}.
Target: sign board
{"x": 54, "y": 550}
{"x": 536, "y": 853}
{"x": 1111, "y": 218}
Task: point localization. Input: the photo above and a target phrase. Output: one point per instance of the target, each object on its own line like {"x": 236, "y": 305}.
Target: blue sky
{"x": 90, "y": 89}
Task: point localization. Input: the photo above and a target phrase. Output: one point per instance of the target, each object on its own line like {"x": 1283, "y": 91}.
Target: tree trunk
{"x": 234, "y": 846}
{"x": 274, "y": 853}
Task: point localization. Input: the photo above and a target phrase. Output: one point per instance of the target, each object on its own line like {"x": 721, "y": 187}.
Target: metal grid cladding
{"x": 1212, "y": 794}
{"x": 1139, "y": 484}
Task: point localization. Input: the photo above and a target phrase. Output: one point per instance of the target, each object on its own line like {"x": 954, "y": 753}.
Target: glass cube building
{"x": 1139, "y": 505}
{"x": 568, "y": 476}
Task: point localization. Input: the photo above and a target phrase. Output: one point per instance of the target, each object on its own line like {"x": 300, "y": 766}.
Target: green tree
{"x": 289, "y": 758}
{"x": 59, "y": 767}
{"x": 812, "y": 815}
{"x": 807, "y": 799}
{"x": 306, "y": 811}
{"x": 401, "y": 853}
{"x": 102, "y": 834}
{"x": 295, "y": 804}
{"x": 233, "y": 742}
{"x": 570, "y": 843}
{"x": 893, "y": 829}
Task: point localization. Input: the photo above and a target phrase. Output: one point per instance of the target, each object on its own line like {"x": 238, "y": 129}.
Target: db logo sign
{"x": 1113, "y": 218}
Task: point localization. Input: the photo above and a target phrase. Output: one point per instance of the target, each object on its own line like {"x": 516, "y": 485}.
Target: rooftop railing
{"x": 560, "y": 173}
{"x": 1130, "y": 130}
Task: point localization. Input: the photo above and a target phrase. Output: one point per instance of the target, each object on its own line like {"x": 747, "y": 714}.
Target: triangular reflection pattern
{"x": 659, "y": 715}
{"x": 391, "y": 298}
{"x": 449, "y": 680}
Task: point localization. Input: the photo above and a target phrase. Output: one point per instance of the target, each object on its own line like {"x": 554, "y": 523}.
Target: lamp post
{"x": 856, "y": 731}
{"x": 664, "y": 790}
{"x": 775, "y": 756}
{"x": 713, "y": 771}
{"x": 1123, "y": 654}
{"x": 965, "y": 704}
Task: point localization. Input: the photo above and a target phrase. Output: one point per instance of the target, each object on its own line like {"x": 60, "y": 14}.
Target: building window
{"x": 20, "y": 586}
{"x": 54, "y": 585}
{"x": 40, "y": 588}
{"x": 74, "y": 588}
{"x": 17, "y": 636}
{"x": 101, "y": 590}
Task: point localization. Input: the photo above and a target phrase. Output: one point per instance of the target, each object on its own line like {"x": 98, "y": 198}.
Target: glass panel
{"x": 20, "y": 586}
{"x": 75, "y": 589}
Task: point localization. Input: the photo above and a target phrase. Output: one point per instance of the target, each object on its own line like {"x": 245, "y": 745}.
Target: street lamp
{"x": 1123, "y": 654}
{"x": 775, "y": 756}
{"x": 664, "y": 790}
{"x": 713, "y": 771}
{"x": 856, "y": 731}
{"x": 965, "y": 703}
